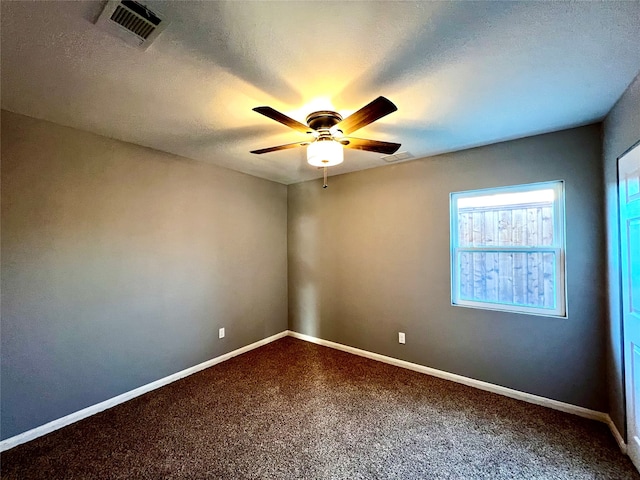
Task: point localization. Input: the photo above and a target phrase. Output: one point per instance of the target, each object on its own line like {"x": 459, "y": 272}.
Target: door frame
{"x": 624, "y": 347}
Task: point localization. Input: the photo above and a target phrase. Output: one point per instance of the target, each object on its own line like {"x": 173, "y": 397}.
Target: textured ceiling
{"x": 462, "y": 74}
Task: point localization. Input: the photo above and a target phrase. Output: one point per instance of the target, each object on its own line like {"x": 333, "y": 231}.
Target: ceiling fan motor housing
{"x": 323, "y": 119}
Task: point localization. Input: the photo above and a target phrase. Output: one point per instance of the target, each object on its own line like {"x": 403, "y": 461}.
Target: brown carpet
{"x": 292, "y": 409}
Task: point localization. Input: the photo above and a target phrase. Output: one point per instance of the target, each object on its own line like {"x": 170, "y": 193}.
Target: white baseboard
{"x": 112, "y": 402}
{"x": 616, "y": 434}
{"x": 489, "y": 387}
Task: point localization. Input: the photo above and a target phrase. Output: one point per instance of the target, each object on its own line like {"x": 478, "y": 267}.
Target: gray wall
{"x": 369, "y": 257}
{"x": 119, "y": 263}
{"x": 621, "y": 131}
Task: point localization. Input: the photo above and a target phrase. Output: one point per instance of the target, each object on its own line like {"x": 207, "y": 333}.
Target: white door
{"x": 629, "y": 192}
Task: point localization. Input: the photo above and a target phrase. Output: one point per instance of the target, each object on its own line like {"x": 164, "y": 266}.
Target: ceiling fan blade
{"x": 377, "y": 109}
{"x": 280, "y": 147}
{"x": 282, "y": 118}
{"x": 386, "y": 148}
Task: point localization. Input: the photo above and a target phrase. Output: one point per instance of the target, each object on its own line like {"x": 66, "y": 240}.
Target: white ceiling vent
{"x": 132, "y": 22}
{"x": 396, "y": 157}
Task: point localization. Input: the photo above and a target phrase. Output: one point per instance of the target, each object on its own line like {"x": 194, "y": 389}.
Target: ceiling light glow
{"x": 325, "y": 153}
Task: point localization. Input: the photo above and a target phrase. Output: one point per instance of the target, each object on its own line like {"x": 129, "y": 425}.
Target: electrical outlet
{"x": 221, "y": 332}
{"x": 401, "y": 337}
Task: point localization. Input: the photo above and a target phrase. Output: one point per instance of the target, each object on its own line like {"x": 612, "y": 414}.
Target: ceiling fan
{"x": 331, "y": 133}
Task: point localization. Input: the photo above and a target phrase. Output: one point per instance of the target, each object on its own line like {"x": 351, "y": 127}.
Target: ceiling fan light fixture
{"x": 325, "y": 153}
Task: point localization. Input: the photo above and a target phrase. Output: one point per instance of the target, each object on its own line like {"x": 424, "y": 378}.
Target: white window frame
{"x": 558, "y": 248}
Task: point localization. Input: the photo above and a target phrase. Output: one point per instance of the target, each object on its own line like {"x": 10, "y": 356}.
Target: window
{"x": 507, "y": 249}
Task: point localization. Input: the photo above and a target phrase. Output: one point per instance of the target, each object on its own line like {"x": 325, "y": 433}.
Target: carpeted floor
{"x": 292, "y": 409}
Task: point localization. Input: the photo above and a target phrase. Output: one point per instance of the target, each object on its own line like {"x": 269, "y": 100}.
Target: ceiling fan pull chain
{"x": 324, "y": 185}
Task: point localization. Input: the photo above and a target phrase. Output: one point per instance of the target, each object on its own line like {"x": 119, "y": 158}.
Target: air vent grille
{"x": 396, "y": 157}
{"x": 131, "y": 21}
